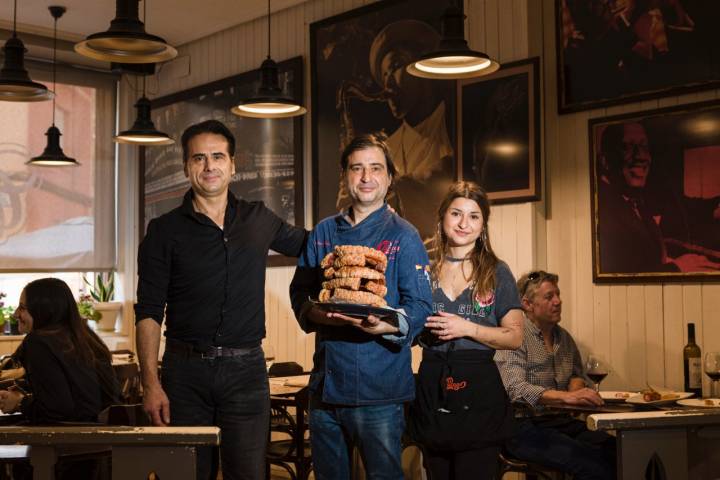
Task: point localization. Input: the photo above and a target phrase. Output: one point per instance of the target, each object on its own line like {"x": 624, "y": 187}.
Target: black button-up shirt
{"x": 211, "y": 279}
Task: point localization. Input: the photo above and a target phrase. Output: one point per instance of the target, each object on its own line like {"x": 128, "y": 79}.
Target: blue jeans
{"x": 374, "y": 429}
{"x": 230, "y": 392}
{"x": 565, "y": 444}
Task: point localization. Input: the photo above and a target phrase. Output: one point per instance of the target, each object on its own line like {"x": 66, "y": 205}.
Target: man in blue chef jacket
{"x": 362, "y": 371}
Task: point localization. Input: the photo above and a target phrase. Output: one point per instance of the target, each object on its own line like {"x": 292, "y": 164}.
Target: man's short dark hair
{"x": 368, "y": 140}
{"x": 208, "y": 126}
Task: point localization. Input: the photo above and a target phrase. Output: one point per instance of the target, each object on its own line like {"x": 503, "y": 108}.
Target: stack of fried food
{"x": 354, "y": 274}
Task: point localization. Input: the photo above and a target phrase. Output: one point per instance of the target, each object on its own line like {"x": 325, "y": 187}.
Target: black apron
{"x": 460, "y": 402}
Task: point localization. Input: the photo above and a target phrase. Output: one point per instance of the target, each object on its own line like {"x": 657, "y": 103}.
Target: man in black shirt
{"x": 202, "y": 266}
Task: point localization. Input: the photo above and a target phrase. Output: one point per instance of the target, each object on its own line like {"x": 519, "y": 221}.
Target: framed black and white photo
{"x": 360, "y": 85}
{"x": 612, "y": 52}
{"x": 499, "y": 132}
{"x": 655, "y": 183}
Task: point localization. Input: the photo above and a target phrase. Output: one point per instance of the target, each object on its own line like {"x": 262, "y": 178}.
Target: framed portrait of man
{"x": 499, "y": 131}
{"x": 268, "y": 152}
{"x": 655, "y": 182}
{"x": 359, "y": 85}
{"x": 619, "y": 51}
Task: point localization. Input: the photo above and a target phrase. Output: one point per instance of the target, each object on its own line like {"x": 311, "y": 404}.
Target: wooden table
{"x": 288, "y": 386}
{"x": 672, "y": 444}
{"x": 136, "y": 451}
{"x": 291, "y": 392}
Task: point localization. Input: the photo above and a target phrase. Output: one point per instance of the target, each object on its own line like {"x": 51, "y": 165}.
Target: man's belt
{"x": 188, "y": 350}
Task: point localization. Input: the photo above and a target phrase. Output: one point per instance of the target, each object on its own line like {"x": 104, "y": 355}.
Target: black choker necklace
{"x": 455, "y": 259}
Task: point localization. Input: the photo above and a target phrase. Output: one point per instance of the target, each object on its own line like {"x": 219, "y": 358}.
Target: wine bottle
{"x": 692, "y": 364}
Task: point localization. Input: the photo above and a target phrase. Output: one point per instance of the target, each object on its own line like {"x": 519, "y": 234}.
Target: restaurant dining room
{"x": 360, "y": 239}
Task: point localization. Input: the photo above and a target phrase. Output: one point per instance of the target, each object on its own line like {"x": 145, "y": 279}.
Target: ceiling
{"x": 177, "y": 21}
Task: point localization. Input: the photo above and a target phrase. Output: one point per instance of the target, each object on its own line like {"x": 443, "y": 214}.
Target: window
{"x": 59, "y": 219}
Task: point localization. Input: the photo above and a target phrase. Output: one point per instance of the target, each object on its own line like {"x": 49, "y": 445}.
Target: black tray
{"x": 357, "y": 310}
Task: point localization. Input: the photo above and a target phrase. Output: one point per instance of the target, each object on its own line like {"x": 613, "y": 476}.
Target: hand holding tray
{"x": 389, "y": 315}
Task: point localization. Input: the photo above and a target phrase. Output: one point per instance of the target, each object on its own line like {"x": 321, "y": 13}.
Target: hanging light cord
{"x": 54, "y": 67}
{"x": 145, "y": 22}
{"x": 268, "y": 29}
{"x": 15, "y": 20}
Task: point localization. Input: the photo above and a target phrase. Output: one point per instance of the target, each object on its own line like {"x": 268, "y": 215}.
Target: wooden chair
{"x": 128, "y": 376}
{"x": 285, "y": 369}
{"x": 288, "y": 446}
{"x": 132, "y": 415}
{"x": 532, "y": 471}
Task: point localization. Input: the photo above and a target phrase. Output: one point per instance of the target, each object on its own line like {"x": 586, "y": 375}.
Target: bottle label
{"x": 694, "y": 373}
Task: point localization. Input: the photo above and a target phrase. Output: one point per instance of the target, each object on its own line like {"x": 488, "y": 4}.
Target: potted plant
{"x": 86, "y": 309}
{"x": 7, "y": 321}
{"x": 103, "y": 292}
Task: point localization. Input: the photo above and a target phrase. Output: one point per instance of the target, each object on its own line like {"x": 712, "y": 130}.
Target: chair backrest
{"x": 285, "y": 369}
{"x": 131, "y": 415}
{"x": 128, "y": 376}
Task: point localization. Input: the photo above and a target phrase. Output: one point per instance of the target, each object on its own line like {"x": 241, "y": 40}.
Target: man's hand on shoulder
{"x": 582, "y": 397}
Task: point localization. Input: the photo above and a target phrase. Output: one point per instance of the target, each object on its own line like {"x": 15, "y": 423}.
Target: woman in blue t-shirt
{"x": 461, "y": 414}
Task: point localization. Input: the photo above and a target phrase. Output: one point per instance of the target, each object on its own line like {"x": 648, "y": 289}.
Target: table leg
{"x": 43, "y": 459}
{"x": 704, "y": 452}
{"x": 654, "y": 454}
{"x": 175, "y": 462}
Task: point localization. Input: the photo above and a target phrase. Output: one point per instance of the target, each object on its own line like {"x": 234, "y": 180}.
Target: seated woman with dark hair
{"x": 68, "y": 368}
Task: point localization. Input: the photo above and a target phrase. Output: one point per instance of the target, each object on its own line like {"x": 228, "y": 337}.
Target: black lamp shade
{"x": 143, "y": 131}
{"x": 269, "y": 101}
{"x": 453, "y": 59}
{"x": 53, "y": 155}
{"x": 15, "y": 82}
{"x": 126, "y": 41}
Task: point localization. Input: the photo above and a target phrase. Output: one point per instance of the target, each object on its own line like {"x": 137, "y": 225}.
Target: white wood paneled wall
{"x": 640, "y": 329}
{"x": 498, "y": 27}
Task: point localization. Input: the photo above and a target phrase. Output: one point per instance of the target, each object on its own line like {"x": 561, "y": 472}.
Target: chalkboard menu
{"x": 268, "y": 152}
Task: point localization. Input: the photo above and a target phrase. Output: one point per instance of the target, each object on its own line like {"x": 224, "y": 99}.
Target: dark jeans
{"x": 480, "y": 464}
{"x": 374, "y": 429}
{"x": 565, "y": 444}
{"x": 230, "y": 392}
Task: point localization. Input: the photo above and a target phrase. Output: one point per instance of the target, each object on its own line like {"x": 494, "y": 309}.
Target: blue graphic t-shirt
{"x": 486, "y": 310}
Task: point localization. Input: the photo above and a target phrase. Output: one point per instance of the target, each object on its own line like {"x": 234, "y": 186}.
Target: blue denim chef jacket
{"x": 352, "y": 367}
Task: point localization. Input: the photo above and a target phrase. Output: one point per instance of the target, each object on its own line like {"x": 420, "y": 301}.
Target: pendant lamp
{"x": 143, "y": 131}
{"x": 452, "y": 58}
{"x": 269, "y": 101}
{"x": 15, "y": 83}
{"x": 126, "y": 40}
{"x": 53, "y": 155}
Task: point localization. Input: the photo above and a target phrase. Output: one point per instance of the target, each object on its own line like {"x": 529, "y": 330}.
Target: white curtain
{"x": 59, "y": 218}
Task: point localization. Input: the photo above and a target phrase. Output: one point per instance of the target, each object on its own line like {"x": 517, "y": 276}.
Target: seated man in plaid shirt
{"x": 547, "y": 370}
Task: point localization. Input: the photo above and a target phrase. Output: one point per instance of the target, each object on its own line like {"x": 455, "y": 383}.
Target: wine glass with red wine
{"x": 712, "y": 370}
{"x": 596, "y": 370}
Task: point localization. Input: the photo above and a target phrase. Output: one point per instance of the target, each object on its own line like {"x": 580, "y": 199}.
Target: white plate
{"x": 667, "y": 398}
{"x": 611, "y": 396}
{"x": 700, "y": 402}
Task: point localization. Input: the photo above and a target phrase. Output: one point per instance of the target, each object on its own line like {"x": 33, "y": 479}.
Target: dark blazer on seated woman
{"x": 68, "y": 367}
